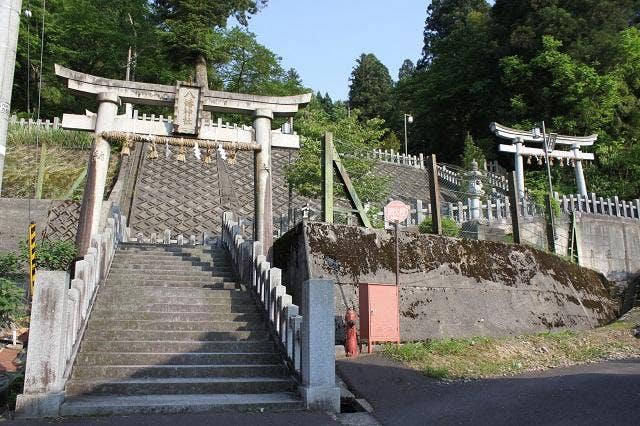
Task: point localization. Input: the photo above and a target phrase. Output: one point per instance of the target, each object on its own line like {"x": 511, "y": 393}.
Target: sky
{"x": 321, "y": 39}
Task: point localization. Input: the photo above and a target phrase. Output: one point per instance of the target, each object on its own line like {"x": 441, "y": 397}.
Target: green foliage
{"x": 188, "y": 26}
{"x": 370, "y": 88}
{"x": 9, "y": 264}
{"x": 353, "y": 140}
{"x": 472, "y": 153}
{"x": 250, "y": 67}
{"x": 574, "y": 65}
{"x": 12, "y": 303}
{"x": 391, "y": 142}
{"x": 450, "y": 227}
{"x": 52, "y": 255}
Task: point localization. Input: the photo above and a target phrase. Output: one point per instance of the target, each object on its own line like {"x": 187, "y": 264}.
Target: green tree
{"x": 353, "y": 139}
{"x": 188, "y": 28}
{"x": 406, "y": 69}
{"x": 472, "y": 153}
{"x": 250, "y": 67}
{"x": 370, "y": 88}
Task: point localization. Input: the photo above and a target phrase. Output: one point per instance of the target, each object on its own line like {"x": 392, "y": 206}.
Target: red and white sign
{"x": 396, "y": 211}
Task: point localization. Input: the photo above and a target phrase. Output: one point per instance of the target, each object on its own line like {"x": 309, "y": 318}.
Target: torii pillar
{"x": 91, "y": 207}
{"x": 263, "y": 202}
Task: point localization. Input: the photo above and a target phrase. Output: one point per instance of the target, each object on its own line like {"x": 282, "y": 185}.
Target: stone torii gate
{"x": 188, "y": 101}
{"x": 519, "y": 137}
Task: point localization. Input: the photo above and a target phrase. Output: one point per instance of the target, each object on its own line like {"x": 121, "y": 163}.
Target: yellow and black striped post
{"x": 32, "y": 257}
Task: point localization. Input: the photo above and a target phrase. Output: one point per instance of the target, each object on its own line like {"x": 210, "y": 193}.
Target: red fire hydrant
{"x": 351, "y": 334}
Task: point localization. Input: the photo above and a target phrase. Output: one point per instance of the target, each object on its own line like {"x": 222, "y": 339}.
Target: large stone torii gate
{"x": 188, "y": 101}
{"x": 519, "y": 137}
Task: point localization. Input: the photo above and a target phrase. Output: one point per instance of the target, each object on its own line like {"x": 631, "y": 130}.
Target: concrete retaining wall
{"x": 449, "y": 287}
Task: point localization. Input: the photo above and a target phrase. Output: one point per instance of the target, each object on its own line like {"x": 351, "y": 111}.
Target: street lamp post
{"x": 409, "y": 118}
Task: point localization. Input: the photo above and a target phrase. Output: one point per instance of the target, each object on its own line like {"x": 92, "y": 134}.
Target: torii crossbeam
{"x": 189, "y": 101}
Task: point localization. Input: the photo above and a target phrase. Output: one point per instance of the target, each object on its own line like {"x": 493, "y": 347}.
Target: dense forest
{"x": 573, "y": 64}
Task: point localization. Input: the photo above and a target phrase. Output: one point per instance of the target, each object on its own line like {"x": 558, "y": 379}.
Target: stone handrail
{"x": 59, "y": 314}
{"x": 307, "y": 342}
{"x": 265, "y": 283}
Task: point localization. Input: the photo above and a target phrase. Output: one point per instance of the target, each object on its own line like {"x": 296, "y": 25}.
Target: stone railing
{"x": 599, "y": 205}
{"x": 59, "y": 313}
{"x": 493, "y": 173}
{"x": 295, "y": 334}
{"x": 47, "y": 124}
{"x": 496, "y": 210}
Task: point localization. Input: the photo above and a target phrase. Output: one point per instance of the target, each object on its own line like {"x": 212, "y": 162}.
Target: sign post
{"x": 396, "y": 212}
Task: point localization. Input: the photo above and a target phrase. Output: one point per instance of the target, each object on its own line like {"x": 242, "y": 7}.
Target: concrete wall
{"x": 610, "y": 245}
{"x": 449, "y": 287}
{"x": 15, "y": 219}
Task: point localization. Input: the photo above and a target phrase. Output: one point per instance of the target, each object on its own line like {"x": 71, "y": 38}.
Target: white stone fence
{"x": 56, "y": 123}
{"x": 493, "y": 210}
{"x": 294, "y": 333}
{"x": 493, "y": 173}
{"x": 59, "y": 313}
{"x": 599, "y": 205}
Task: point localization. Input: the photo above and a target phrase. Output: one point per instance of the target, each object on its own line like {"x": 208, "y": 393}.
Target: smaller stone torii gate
{"x": 188, "y": 125}
{"x": 519, "y": 137}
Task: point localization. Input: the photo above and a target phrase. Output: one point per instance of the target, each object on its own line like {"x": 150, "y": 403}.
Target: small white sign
{"x": 396, "y": 211}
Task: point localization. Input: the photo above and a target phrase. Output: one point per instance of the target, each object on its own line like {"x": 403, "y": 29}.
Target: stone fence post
{"x": 46, "y": 362}
{"x": 319, "y": 389}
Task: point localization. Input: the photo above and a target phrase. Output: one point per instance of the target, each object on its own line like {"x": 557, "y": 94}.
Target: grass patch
{"x": 63, "y": 165}
{"x": 481, "y": 357}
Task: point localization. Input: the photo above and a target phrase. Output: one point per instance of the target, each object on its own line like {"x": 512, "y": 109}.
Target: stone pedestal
{"x": 46, "y": 361}
{"x": 319, "y": 389}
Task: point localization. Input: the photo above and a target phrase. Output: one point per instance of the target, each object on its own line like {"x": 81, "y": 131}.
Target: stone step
{"x": 172, "y": 336}
{"x": 140, "y": 315}
{"x": 127, "y": 297}
{"x": 179, "y": 386}
{"x": 203, "y": 326}
{"x": 169, "y": 256}
{"x": 174, "y": 292}
{"x": 214, "y": 306}
{"x": 134, "y": 278}
{"x": 152, "y": 268}
{"x": 212, "y": 284}
{"x": 159, "y": 251}
{"x": 121, "y": 372}
{"x": 250, "y": 346}
{"x": 177, "y": 358}
{"x": 187, "y": 274}
{"x": 178, "y": 404}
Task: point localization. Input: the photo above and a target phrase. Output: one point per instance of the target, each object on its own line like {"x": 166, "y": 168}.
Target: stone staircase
{"x": 171, "y": 332}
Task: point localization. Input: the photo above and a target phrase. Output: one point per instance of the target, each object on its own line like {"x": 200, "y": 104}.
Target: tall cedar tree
{"x": 188, "y": 28}
{"x": 371, "y": 88}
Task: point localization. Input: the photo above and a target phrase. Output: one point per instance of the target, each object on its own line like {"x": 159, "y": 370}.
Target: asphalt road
{"x": 606, "y": 393}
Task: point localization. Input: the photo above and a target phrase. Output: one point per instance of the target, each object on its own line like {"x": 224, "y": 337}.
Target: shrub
{"x": 449, "y": 227}
{"x": 12, "y": 303}
{"x": 52, "y": 255}
{"x": 9, "y": 264}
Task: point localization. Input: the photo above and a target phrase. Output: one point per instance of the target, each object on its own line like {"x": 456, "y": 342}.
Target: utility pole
{"x": 10, "y": 23}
